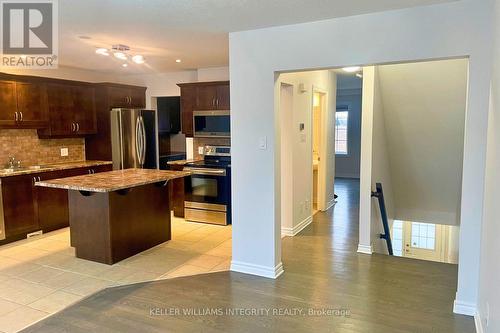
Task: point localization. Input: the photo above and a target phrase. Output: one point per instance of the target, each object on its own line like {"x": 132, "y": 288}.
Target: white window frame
{"x": 348, "y": 110}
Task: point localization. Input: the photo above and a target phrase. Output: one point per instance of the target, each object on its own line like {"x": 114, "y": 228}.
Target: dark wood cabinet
{"x": 206, "y": 97}
{"x": 188, "y": 102}
{"x": 223, "y": 97}
{"x": 176, "y": 192}
{"x": 169, "y": 114}
{"x": 8, "y": 102}
{"x": 52, "y": 203}
{"x": 109, "y": 96}
{"x": 28, "y": 208}
{"x": 202, "y": 96}
{"x": 84, "y": 112}
{"x": 121, "y": 96}
{"x": 71, "y": 109}
{"x": 19, "y": 205}
{"x": 24, "y": 104}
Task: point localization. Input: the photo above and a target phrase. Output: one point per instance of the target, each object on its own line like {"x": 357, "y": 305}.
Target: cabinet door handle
{"x": 16, "y": 116}
{"x": 73, "y": 127}
{"x": 78, "y": 127}
{"x": 21, "y": 115}
{"x": 217, "y": 102}
{"x": 34, "y": 180}
{"x": 39, "y": 179}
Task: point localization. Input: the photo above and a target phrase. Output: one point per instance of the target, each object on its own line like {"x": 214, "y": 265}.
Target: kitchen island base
{"x": 109, "y": 227}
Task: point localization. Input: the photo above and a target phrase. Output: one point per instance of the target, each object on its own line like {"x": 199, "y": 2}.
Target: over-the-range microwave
{"x": 209, "y": 124}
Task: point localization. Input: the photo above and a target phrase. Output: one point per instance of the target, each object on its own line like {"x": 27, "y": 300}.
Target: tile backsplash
{"x": 25, "y": 145}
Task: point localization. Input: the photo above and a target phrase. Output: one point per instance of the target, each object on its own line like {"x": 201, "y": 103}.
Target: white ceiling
{"x": 193, "y": 30}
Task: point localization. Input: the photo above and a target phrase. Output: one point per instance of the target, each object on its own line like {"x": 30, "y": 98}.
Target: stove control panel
{"x": 217, "y": 151}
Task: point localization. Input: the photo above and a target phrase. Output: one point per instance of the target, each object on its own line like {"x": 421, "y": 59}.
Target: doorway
{"x": 318, "y": 112}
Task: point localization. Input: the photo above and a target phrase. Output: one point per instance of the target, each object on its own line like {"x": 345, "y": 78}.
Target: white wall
{"x": 454, "y": 29}
{"x": 489, "y": 287}
{"x": 213, "y": 74}
{"x": 302, "y": 144}
{"x": 424, "y": 107}
{"x": 348, "y": 166}
{"x": 381, "y": 171}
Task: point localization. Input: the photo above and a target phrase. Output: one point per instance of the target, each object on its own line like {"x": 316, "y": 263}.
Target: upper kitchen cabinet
{"x": 202, "y": 96}
{"x": 24, "y": 104}
{"x": 122, "y": 96}
{"x": 8, "y": 100}
{"x": 168, "y": 111}
{"x": 31, "y": 104}
{"x": 212, "y": 96}
{"x": 71, "y": 109}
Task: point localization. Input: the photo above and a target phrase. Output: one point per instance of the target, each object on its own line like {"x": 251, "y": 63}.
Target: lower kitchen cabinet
{"x": 28, "y": 208}
{"x": 19, "y": 205}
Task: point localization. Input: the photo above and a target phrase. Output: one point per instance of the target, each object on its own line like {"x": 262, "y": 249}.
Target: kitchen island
{"x": 117, "y": 214}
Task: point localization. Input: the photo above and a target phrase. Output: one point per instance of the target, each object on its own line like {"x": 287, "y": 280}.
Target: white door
{"x": 423, "y": 241}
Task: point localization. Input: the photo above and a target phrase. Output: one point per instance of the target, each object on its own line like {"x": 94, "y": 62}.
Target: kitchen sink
{"x": 11, "y": 170}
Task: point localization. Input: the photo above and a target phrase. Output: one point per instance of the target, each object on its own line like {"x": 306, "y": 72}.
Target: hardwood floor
{"x": 377, "y": 293}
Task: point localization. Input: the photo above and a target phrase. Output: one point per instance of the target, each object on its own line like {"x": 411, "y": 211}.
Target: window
{"x": 341, "y": 121}
{"x": 397, "y": 238}
{"x": 423, "y": 236}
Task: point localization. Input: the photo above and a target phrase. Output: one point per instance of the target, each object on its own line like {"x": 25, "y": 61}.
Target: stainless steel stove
{"x": 208, "y": 189}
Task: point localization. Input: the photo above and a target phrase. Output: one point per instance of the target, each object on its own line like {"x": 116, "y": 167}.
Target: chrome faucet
{"x": 12, "y": 164}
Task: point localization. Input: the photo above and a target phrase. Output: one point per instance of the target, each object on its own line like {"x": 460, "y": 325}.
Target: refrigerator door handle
{"x": 138, "y": 139}
{"x": 143, "y": 137}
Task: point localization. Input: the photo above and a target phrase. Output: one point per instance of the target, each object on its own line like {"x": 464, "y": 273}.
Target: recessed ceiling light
{"x": 124, "y": 65}
{"x": 120, "y": 55}
{"x": 178, "y": 60}
{"x": 138, "y": 59}
{"x": 352, "y": 69}
{"x": 102, "y": 51}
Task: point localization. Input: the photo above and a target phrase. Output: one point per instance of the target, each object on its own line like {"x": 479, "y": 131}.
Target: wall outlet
{"x": 200, "y": 150}
{"x": 64, "y": 152}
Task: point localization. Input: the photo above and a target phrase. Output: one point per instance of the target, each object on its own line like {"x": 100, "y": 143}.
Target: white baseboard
{"x": 264, "y": 271}
{"x": 464, "y": 308}
{"x": 366, "y": 249}
{"x": 478, "y": 323}
{"x": 285, "y": 231}
{"x": 330, "y": 204}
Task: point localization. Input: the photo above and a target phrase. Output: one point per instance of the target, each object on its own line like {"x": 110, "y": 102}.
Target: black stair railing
{"x": 379, "y": 194}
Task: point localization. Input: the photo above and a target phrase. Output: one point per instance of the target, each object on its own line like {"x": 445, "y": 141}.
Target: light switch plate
{"x": 64, "y": 152}
{"x": 200, "y": 150}
{"x": 263, "y": 142}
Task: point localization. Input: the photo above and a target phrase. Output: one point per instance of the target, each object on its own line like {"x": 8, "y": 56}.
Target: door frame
{"x": 321, "y": 195}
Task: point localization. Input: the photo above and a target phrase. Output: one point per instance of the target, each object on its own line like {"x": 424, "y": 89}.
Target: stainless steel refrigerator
{"x": 134, "y": 139}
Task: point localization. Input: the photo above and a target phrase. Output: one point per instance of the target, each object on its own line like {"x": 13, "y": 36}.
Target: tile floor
{"x": 41, "y": 276}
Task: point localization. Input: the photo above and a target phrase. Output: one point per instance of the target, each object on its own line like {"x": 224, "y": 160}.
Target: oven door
{"x": 207, "y": 185}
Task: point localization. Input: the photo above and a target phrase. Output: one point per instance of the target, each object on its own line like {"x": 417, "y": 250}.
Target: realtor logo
{"x": 29, "y": 33}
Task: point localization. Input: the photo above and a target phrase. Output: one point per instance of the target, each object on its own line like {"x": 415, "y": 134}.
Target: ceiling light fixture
{"x": 138, "y": 59}
{"x": 178, "y": 60}
{"x": 121, "y": 52}
{"x": 120, "y": 55}
{"x": 102, "y": 51}
{"x": 352, "y": 69}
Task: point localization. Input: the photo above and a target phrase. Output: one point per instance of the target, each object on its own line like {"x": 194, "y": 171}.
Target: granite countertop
{"x": 182, "y": 162}
{"x": 51, "y": 167}
{"x": 113, "y": 180}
